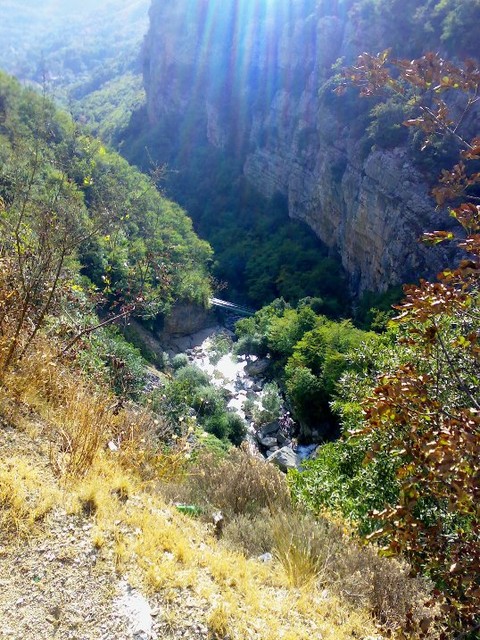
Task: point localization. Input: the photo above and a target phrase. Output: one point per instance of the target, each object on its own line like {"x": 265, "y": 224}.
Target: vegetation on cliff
{"x": 81, "y": 230}
{"x": 252, "y": 98}
{"x": 408, "y": 463}
{"x": 260, "y": 254}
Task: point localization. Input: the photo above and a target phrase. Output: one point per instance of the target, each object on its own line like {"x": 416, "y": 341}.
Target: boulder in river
{"x": 257, "y": 367}
{"x": 285, "y": 458}
{"x": 269, "y": 429}
{"x": 268, "y": 442}
{"x": 282, "y": 438}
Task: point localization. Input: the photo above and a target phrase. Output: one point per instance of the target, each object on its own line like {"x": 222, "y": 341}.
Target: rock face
{"x": 285, "y": 458}
{"x": 186, "y": 319}
{"x": 254, "y": 78}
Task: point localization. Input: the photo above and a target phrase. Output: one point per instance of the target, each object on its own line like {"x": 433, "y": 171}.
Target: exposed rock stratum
{"x": 259, "y": 85}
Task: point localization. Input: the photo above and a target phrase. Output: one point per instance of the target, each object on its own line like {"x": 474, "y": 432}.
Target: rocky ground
{"x": 55, "y": 583}
{"x": 59, "y": 580}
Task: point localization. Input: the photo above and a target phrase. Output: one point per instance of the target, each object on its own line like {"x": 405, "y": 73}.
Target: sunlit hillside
{"x": 77, "y": 52}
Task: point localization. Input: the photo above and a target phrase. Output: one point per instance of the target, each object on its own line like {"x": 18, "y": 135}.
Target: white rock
{"x": 135, "y": 608}
{"x": 265, "y": 557}
{"x": 285, "y": 458}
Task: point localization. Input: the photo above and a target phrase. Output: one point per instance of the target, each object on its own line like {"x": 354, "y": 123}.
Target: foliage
{"x": 338, "y": 480}
{"x": 220, "y": 345}
{"x": 108, "y": 108}
{"x": 310, "y": 354}
{"x": 259, "y": 252}
{"x": 63, "y": 196}
{"x": 271, "y": 405}
{"x": 189, "y": 396}
{"x": 286, "y": 330}
{"x": 108, "y": 354}
{"x": 154, "y": 256}
{"x": 179, "y": 361}
{"x": 374, "y": 310}
{"x": 208, "y": 400}
{"x": 237, "y": 484}
{"x": 412, "y": 28}
{"x": 427, "y": 409}
{"x": 386, "y": 129}
{"x": 316, "y": 364}
{"x": 89, "y": 66}
{"x": 458, "y": 20}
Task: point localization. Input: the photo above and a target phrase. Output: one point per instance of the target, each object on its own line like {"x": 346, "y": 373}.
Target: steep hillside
{"x": 85, "y": 56}
{"x": 255, "y": 80}
{"x": 98, "y": 551}
{"x": 71, "y": 209}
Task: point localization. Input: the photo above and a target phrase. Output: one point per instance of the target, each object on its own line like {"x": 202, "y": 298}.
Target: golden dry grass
{"x": 25, "y": 496}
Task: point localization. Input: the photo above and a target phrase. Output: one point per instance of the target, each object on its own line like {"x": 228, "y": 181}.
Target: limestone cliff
{"x": 255, "y": 78}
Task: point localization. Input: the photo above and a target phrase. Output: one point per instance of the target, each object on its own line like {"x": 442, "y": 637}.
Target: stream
{"x": 241, "y": 378}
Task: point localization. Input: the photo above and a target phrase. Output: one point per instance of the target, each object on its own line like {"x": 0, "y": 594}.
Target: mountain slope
{"x": 76, "y": 52}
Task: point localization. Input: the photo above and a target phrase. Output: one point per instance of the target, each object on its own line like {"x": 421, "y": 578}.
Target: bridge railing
{"x": 230, "y": 306}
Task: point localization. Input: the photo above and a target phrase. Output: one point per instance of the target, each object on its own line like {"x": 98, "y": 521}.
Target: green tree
{"x": 63, "y": 199}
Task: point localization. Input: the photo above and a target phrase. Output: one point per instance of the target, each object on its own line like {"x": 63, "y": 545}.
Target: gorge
{"x": 255, "y": 81}
{"x": 125, "y": 479}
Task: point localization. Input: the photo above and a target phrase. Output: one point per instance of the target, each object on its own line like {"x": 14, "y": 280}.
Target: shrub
{"x": 179, "y": 361}
{"x": 305, "y": 394}
{"x": 252, "y": 344}
{"x": 386, "y": 128}
{"x": 305, "y": 547}
{"x": 252, "y": 534}
{"x": 271, "y": 405}
{"x": 237, "y": 428}
{"x": 192, "y": 376}
{"x": 385, "y": 586}
{"x": 108, "y": 353}
{"x": 220, "y": 346}
{"x": 208, "y": 401}
{"x": 339, "y": 480}
{"x": 217, "y": 424}
{"x": 237, "y": 484}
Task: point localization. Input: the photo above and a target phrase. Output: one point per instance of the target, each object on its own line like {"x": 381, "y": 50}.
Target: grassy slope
{"x": 57, "y": 475}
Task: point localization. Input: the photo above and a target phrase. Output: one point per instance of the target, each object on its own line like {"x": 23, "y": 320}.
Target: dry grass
{"x": 25, "y": 497}
{"x": 235, "y": 485}
{"x": 218, "y": 621}
{"x": 383, "y": 585}
{"x": 313, "y": 553}
{"x": 305, "y": 548}
{"x": 78, "y": 421}
{"x": 252, "y": 534}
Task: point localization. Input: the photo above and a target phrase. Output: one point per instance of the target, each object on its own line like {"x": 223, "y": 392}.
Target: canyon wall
{"x": 255, "y": 78}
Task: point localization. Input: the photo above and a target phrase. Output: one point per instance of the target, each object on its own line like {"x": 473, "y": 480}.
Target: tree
{"x": 69, "y": 205}
{"x": 428, "y": 409}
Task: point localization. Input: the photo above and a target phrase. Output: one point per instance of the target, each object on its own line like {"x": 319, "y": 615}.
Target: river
{"x": 241, "y": 378}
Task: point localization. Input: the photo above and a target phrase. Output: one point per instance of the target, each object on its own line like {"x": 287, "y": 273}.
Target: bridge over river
{"x": 230, "y": 306}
